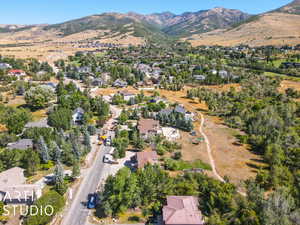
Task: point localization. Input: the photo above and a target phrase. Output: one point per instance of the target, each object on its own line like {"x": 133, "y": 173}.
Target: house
{"x": 199, "y": 77}
{"x": 189, "y": 116}
{"x": 78, "y": 115}
{"x": 105, "y": 77}
{"x": 223, "y": 74}
{"x": 16, "y": 73}
{"x": 170, "y": 133}
{"x": 40, "y": 124}
{"x": 97, "y": 82}
{"x": 22, "y": 144}
{"x": 127, "y": 95}
{"x": 4, "y": 66}
{"x": 148, "y": 128}
{"x": 50, "y": 85}
{"x": 144, "y": 158}
{"x": 13, "y": 187}
{"x": 180, "y": 109}
{"x": 120, "y": 83}
{"x": 182, "y": 210}
{"x": 84, "y": 69}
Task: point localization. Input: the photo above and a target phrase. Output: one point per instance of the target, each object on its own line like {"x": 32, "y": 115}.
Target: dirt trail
{"x": 209, "y": 152}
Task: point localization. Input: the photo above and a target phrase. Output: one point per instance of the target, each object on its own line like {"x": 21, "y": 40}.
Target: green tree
{"x": 39, "y": 97}
{"x": 44, "y": 151}
{"x": 60, "y": 118}
{"x": 59, "y": 182}
{"x": 31, "y": 161}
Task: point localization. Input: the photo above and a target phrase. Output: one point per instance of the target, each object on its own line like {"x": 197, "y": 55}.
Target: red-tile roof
{"x": 16, "y": 71}
{"x": 182, "y": 210}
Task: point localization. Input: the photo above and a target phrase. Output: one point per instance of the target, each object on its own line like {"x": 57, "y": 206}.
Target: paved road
{"x": 78, "y": 213}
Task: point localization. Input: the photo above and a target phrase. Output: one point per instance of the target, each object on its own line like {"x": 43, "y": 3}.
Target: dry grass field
{"x": 269, "y": 29}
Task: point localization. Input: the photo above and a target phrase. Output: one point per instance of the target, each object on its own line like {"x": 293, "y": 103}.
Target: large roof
{"x": 146, "y": 157}
{"x": 12, "y": 177}
{"x": 22, "y": 144}
{"x": 182, "y": 210}
{"x": 146, "y": 125}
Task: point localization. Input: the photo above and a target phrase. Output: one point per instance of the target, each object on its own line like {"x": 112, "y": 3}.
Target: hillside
{"x": 204, "y": 21}
{"x": 277, "y": 27}
{"x": 267, "y": 29}
{"x": 293, "y": 8}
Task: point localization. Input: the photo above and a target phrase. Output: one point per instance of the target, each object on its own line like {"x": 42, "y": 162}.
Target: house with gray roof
{"x": 22, "y": 144}
{"x": 14, "y": 190}
{"x": 78, "y": 114}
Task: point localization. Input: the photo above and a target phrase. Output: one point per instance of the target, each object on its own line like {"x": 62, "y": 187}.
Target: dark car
{"x": 92, "y": 201}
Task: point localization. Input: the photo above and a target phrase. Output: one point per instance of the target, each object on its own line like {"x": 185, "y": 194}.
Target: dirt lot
{"x": 234, "y": 161}
{"x": 285, "y": 84}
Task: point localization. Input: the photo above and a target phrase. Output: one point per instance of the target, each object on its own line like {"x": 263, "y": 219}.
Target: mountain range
{"x": 215, "y": 26}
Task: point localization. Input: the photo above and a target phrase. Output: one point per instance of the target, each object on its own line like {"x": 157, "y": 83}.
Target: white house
{"x": 78, "y": 115}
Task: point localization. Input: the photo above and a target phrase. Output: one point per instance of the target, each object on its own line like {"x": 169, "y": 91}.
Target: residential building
{"x": 84, "y": 69}
{"x": 127, "y": 95}
{"x": 147, "y": 157}
{"x": 14, "y": 190}
{"x": 78, "y": 115}
{"x": 40, "y": 124}
{"x": 4, "y": 66}
{"x": 16, "y": 73}
{"x": 22, "y": 144}
{"x": 182, "y": 210}
{"x": 97, "y": 82}
{"x": 148, "y": 128}
{"x": 120, "y": 83}
{"x": 199, "y": 77}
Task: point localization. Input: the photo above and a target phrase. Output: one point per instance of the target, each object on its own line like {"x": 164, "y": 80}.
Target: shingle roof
{"x": 146, "y": 125}
{"x": 22, "y": 144}
{"x": 146, "y": 157}
{"x": 180, "y": 109}
{"x": 182, "y": 210}
{"x": 40, "y": 123}
{"x": 12, "y": 177}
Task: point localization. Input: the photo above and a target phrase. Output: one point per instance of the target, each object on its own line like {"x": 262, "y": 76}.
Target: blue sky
{"x": 55, "y": 11}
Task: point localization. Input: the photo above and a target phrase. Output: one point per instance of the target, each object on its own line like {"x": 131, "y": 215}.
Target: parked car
{"x": 108, "y": 142}
{"x": 108, "y": 158}
{"x": 92, "y": 201}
